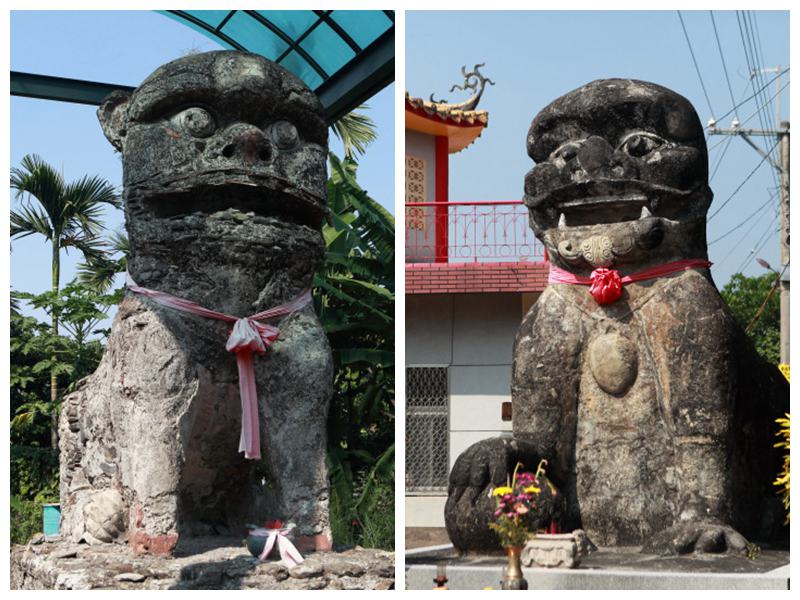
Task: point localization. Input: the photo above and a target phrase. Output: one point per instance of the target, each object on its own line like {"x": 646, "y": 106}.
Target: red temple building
{"x": 473, "y": 269}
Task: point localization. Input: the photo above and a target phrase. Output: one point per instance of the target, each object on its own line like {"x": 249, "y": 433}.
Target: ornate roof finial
{"x": 472, "y": 80}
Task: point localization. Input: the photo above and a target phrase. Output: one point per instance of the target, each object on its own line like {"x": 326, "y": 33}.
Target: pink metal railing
{"x": 459, "y": 232}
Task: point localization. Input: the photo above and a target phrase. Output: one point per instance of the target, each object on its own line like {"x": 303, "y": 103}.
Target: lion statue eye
{"x": 284, "y": 134}
{"x": 641, "y": 144}
{"x": 566, "y": 152}
{"x": 195, "y": 121}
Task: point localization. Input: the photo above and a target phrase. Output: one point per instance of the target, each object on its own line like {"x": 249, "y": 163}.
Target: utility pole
{"x": 782, "y": 166}
{"x": 783, "y": 138}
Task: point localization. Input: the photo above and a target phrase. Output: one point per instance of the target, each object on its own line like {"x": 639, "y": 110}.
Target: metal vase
{"x": 512, "y": 573}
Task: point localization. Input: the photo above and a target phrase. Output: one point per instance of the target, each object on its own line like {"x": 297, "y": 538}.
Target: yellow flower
{"x": 502, "y": 491}
{"x": 531, "y": 489}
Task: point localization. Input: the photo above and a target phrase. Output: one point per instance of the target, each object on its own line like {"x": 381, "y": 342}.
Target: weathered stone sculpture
{"x": 653, "y": 409}
{"x": 224, "y": 159}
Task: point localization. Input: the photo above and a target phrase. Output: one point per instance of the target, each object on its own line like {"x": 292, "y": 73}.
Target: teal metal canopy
{"x": 345, "y": 56}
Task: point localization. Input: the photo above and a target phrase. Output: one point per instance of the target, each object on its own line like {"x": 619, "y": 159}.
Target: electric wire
{"x": 722, "y": 58}
{"x": 786, "y": 70}
{"x": 783, "y": 87}
{"x": 746, "y": 219}
{"x": 773, "y": 116}
{"x": 719, "y": 159}
{"x": 756, "y": 77}
{"x": 696, "y": 67}
{"x": 759, "y": 62}
{"x": 759, "y": 244}
{"x": 737, "y": 245}
{"x": 740, "y": 186}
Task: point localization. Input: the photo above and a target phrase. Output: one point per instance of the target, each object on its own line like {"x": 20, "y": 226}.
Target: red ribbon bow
{"x": 606, "y": 285}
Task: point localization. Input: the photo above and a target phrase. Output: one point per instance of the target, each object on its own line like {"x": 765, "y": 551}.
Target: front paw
{"x": 470, "y": 508}
{"x": 697, "y": 536}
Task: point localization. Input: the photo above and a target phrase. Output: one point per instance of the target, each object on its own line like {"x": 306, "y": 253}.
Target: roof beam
{"x": 46, "y": 87}
{"x": 363, "y": 77}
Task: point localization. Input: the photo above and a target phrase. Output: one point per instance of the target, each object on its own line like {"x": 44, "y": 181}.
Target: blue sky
{"x": 119, "y": 47}
{"x": 536, "y": 56}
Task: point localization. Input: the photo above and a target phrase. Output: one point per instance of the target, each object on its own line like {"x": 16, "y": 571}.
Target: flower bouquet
{"x": 261, "y": 541}
{"x": 519, "y": 505}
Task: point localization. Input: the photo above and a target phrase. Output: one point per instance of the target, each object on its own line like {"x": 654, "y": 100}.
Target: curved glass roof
{"x": 313, "y": 44}
{"x": 345, "y": 56}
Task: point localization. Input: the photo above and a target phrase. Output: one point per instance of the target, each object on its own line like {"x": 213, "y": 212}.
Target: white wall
{"x": 424, "y": 146}
{"x": 472, "y": 334}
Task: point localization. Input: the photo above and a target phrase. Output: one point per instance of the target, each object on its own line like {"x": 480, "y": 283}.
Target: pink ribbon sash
{"x": 247, "y": 336}
{"x": 611, "y": 277}
{"x": 290, "y": 556}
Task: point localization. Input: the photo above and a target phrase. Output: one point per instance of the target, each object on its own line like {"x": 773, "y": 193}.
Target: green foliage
{"x": 97, "y": 272}
{"x": 356, "y": 130}
{"x": 68, "y": 215}
{"x": 354, "y": 296}
{"x": 29, "y": 389}
{"x": 744, "y": 295}
{"x": 34, "y": 472}
{"x": 34, "y": 482}
{"x": 36, "y": 354}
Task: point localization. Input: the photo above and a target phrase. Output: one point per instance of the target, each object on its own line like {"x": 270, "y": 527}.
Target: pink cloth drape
{"x": 289, "y": 554}
{"x": 248, "y": 335}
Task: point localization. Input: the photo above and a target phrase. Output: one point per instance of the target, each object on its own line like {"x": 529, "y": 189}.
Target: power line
{"x": 786, "y": 70}
{"x": 696, "y": 67}
{"x": 785, "y": 85}
{"x": 756, "y": 77}
{"x": 719, "y": 160}
{"x": 736, "y": 246}
{"x": 741, "y": 185}
{"x": 759, "y": 244}
{"x": 722, "y": 58}
{"x": 746, "y": 219}
{"x": 773, "y": 117}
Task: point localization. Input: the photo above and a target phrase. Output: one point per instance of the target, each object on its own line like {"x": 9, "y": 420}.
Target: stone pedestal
{"x": 214, "y": 563}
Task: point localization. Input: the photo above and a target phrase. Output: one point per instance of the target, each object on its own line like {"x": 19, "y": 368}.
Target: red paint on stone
{"x": 159, "y": 545}
{"x": 319, "y": 543}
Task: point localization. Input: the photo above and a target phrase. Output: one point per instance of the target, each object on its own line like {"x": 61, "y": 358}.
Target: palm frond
{"x": 356, "y": 131}
{"x": 29, "y": 220}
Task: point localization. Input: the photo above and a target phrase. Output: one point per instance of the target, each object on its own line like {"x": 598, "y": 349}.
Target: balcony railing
{"x": 460, "y": 232}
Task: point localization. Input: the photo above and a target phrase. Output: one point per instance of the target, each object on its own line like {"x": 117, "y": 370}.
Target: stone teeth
{"x": 645, "y": 213}
{"x": 562, "y": 221}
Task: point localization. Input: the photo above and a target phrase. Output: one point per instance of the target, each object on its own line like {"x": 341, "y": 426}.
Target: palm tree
{"x": 356, "y": 130}
{"x": 98, "y": 273}
{"x": 68, "y": 215}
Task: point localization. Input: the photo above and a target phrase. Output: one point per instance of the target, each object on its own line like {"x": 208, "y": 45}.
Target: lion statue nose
{"x": 247, "y": 143}
{"x": 598, "y": 159}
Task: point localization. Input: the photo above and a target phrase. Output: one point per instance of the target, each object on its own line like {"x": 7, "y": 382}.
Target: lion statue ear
{"x": 113, "y": 117}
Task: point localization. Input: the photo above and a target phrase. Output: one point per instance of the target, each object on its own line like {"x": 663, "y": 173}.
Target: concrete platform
{"x": 608, "y": 568}
{"x": 213, "y": 563}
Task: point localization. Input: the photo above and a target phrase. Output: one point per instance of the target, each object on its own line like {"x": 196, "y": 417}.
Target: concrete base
{"x": 609, "y": 568}
{"x": 205, "y": 563}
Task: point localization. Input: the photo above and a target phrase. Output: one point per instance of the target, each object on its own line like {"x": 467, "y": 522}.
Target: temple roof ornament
{"x": 472, "y": 80}
{"x": 459, "y": 122}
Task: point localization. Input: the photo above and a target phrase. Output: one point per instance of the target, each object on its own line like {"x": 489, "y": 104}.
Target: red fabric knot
{"x": 606, "y": 285}
{"x": 251, "y": 335}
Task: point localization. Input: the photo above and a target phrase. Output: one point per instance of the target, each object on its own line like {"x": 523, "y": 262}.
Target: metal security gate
{"x": 427, "y": 456}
